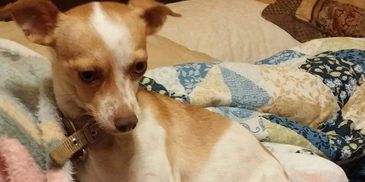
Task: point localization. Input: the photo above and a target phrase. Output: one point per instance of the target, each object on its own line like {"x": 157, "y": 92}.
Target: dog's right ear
{"x": 37, "y": 19}
{"x": 154, "y": 13}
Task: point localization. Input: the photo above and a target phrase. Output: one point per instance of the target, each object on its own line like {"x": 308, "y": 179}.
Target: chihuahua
{"x": 100, "y": 55}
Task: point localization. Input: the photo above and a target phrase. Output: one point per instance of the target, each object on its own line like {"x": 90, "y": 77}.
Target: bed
{"x": 222, "y": 56}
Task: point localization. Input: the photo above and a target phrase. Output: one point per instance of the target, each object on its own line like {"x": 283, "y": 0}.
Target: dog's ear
{"x": 153, "y": 13}
{"x": 37, "y": 19}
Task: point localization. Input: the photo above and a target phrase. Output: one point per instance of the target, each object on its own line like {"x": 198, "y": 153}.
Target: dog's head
{"x": 100, "y": 54}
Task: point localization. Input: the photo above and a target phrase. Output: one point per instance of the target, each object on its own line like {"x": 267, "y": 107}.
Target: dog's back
{"x": 204, "y": 146}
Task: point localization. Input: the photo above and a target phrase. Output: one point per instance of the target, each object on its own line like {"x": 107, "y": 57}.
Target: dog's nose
{"x": 125, "y": 124}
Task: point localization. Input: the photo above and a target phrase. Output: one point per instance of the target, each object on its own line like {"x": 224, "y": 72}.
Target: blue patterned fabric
{"x": 342, "y": 76}
{"x": 239, "y": 92}
{"x": 192, "y": 74}
{"x": 354, "y": 55}
{"x": 241, "y": 116}
{"x": 318, "y": 139}
{"x": 237, "y": 113}
{"x": 152, "y": 85}
{"x": 281, "y": 57}
{"x": 245, "y": 94}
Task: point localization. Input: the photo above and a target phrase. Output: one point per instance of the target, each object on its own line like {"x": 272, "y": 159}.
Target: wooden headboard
{"x": 64, "y": 5}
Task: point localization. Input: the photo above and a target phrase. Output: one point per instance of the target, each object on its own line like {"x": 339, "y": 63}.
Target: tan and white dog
{"x": 100, "y": 51}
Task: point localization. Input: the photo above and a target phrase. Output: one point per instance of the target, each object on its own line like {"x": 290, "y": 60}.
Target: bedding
{"x": 161, "y": 51}
{"x": 29, "y": 120}
{"x": 228, "y": 31}
{"x": 310, "y": 96}
{"x": 10, "y": 31}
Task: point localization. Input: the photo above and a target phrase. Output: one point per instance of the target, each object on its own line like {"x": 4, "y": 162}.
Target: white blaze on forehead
{"x": 115, "y": 35}
{"x": 118, "y": 39}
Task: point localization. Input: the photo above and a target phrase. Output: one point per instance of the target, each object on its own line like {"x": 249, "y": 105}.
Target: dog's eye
{"x": 88, "y": 76}
{"x": 139, "y": 67}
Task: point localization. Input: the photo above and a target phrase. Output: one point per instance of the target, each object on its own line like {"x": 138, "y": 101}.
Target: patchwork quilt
{"x": 311, "y": 96}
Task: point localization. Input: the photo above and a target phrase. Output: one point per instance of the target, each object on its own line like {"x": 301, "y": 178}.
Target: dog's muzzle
{"x": 125, "y": 124}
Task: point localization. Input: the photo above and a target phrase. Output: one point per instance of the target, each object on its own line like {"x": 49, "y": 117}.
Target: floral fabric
{"x": 340, "y": 19}
{"x": 342, "y": 75}
{"x": 295, "y": 97}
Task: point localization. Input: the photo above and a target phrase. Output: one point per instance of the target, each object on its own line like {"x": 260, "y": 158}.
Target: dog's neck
{"x": 69, "y": 108}
{"x": 120, "y": 151}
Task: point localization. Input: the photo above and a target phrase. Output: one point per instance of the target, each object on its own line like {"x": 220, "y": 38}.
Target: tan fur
{"x": 84, "y": 50}
{"x": 190, "y": 135}
{"x": 189, "y": 141}
{"x": 190, "y": 130}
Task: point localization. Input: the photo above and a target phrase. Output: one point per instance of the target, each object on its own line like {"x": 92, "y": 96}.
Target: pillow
{"x": 282, "y": 13}
{"x": 162, "y": 52}
{"x": 9, "y": 30}
{"x": 336, "y": 18}
{"x": 228, "y": 31}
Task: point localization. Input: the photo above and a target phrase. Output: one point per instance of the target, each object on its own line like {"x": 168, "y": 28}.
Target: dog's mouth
{"x": 118, "y": 129}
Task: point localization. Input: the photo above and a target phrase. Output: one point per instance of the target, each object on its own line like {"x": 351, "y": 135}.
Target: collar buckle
{"x": 90, "y": 131}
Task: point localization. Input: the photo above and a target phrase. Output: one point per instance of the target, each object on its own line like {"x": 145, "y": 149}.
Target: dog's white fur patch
{"x": 110, "y": 105}
{"x": 117, "y": 38}
{"x": 107, "y": 109}
{"x": 238, "y": 156}
{"x": 150, "y": 162}
{"x": 68, "y": 171}
{"x": 115, "y": 35}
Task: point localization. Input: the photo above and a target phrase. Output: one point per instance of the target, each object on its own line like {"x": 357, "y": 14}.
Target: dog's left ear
{"x": 37, "y": 19}
{"x": 154, "y": 14}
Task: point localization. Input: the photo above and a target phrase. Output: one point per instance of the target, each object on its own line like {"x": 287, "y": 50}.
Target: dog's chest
{"x": 142, "y": 159}
{"x": 150, "y": 161}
